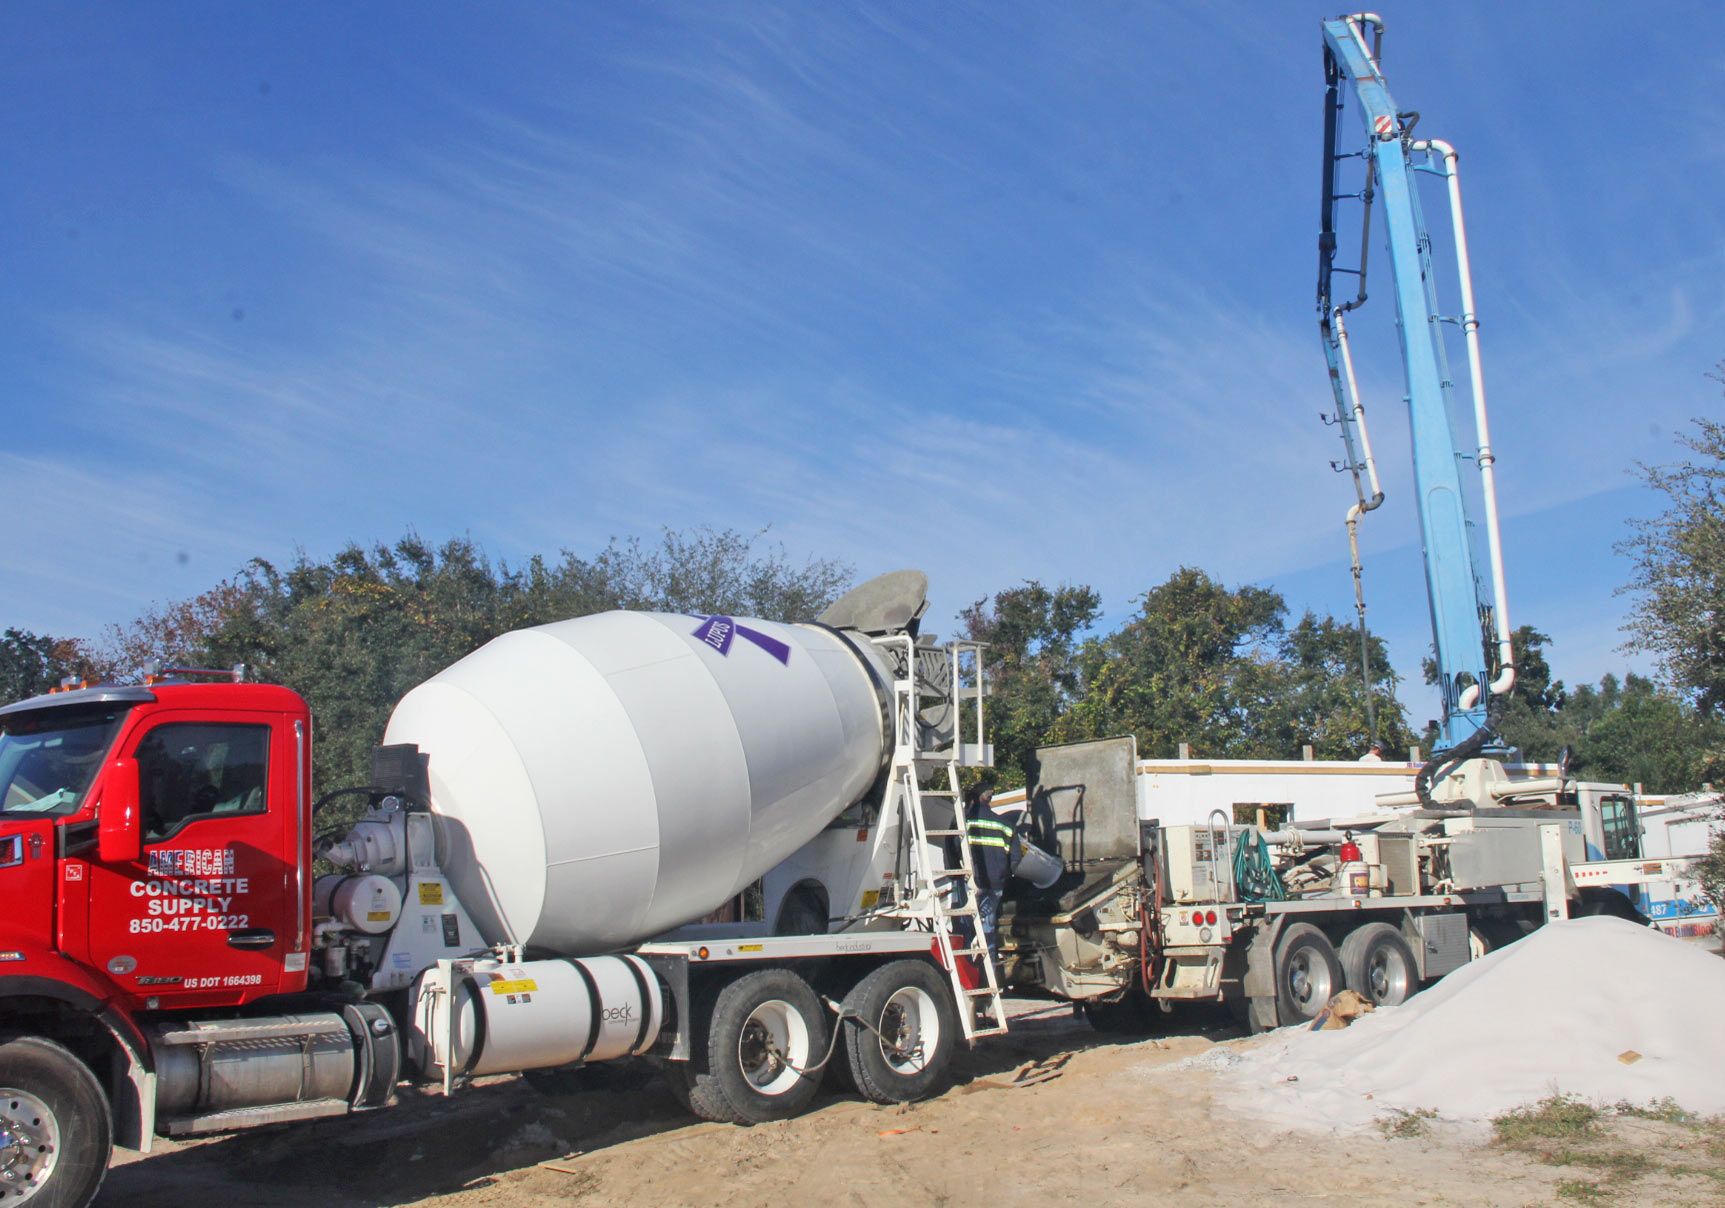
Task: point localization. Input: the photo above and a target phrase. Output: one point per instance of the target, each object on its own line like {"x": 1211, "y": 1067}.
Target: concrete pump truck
{"x": 1179, "y": 887}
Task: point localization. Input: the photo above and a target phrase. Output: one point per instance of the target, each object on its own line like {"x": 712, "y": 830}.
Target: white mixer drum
{"x": 605, "y": 779}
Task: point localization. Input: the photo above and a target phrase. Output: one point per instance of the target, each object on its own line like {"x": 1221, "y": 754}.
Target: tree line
{"x": 354, "y": 632}
{"x": 1221, "y": 668}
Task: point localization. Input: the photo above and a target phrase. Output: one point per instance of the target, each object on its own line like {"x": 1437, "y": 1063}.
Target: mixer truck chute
{"x": 547, "y": 820}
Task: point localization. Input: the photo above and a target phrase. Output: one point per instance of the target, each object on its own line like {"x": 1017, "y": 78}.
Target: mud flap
{"x": 1258, "y": 985}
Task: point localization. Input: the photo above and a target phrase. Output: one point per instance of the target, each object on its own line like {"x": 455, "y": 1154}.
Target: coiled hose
{"x": 1255, "y": 878}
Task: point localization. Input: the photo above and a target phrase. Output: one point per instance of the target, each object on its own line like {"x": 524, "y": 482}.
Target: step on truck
{"x": 189, "y": 945}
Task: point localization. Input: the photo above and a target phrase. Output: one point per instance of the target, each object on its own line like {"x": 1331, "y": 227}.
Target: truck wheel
{"x": 900, "y": 1031}
{"x": 1308, "y": 974}
{"x": 1377, "y": 962}
{"x": 55, "y": 1132}
{"x": 766, "y": 1030}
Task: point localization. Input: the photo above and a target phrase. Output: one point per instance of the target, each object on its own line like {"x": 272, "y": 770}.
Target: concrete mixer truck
{"x": 547, "y": 821}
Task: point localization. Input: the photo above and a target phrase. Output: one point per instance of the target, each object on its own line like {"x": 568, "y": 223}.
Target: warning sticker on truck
{"x": 431, "y": 893}
{"x": 525, "y": 985}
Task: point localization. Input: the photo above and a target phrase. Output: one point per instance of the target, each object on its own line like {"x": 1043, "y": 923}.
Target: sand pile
{"x": 1594, "y": 1007}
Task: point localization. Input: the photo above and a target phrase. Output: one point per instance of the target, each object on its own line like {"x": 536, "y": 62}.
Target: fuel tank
{"x": 601, "y": 780}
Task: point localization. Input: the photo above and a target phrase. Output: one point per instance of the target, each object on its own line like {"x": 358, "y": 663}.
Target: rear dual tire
{"x": 1308, "y": 973}
{"x": 765, "y": 1039}
{"x": 1378, "y": 963}
{"x": 900, "y": 1031}
{"x": 766, "y": 1043}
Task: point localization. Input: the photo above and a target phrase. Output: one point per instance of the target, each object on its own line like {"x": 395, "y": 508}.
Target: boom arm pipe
{"x": 1465, "y": 614}
{"x": 1362, "y": 503}
{"x": 1358, "y": 412}
{"x": 1487, "y": 460}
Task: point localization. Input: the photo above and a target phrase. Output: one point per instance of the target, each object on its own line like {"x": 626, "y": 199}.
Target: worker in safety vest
{"x": 990, "y": 842}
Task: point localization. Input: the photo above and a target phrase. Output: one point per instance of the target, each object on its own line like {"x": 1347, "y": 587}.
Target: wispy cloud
{"x": 101, "y": 544}
{"x": 971, "y": 290}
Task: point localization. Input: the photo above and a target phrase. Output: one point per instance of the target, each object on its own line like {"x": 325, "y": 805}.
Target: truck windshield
{"x": 48, "y": 759}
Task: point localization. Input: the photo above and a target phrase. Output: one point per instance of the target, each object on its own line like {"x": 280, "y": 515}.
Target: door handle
{"x": 252, "y": 937}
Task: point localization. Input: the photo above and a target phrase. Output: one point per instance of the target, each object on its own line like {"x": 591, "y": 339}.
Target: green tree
{"x": 1217, "y": 668}
{"x": 354, "y": 633}
{"x": 1312, "y": 693}
{"x": 32, "y": 663}
{"x": 1710, "y": 872}
{"x": 1170, "y": 674}
{"x": 181, "y": 633}
{"x": 1199, "y": 663}
{"x": 1644, "y": 734}
{"x": 1679, "y": 589}
{"x": 1679, "y": 576}
{"x": 1536, "y": 720}
{"x": 1032, "y": 633}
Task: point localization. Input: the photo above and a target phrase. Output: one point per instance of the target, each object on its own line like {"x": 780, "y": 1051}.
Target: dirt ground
{"x": 1052, "y": 1114}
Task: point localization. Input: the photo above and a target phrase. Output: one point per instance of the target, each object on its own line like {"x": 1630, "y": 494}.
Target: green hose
{"x": 1255, "y": 877}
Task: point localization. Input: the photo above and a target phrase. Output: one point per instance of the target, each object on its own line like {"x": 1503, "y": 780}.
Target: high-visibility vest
{"x": 986, "y": 832}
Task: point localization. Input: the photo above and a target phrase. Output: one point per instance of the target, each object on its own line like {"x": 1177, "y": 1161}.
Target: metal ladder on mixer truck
{"x": 939, "y": 893}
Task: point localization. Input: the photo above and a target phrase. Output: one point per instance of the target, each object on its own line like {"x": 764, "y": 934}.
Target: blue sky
{"x": 998, "y": 290}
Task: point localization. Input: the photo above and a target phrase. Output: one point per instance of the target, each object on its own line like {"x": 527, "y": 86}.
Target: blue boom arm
{"x": 1464, "y": 613}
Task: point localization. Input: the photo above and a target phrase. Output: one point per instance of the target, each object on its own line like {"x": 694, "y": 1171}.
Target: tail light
{"x": 1210, "y": 917}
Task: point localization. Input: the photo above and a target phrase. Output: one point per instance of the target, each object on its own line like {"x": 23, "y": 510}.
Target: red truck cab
{"x": 154, "y": 865}
{"x": 154, "y": 840}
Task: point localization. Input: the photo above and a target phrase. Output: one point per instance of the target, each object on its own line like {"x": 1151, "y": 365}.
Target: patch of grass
{"x": 1401, "y": 1124}
{"x": 1617, "y": 1165}
{"x": 1580, "y": 1191}
{"x": 1717, "y": 1174}
{"x": 1713, "y": 1129}
{"x": 1554, "y": 1118}
{"x": 1666, "y": 1111}
{"x": 1564, "y": 1131}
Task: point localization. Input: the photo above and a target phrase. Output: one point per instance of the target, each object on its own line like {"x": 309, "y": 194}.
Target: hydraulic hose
{"x": 1150, "y": 931}
{"x": 371, "y": 789}
{"x": 1466, "y": 749}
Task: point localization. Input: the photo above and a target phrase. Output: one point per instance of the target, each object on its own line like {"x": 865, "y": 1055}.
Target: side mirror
{"x": 119, "y": 830}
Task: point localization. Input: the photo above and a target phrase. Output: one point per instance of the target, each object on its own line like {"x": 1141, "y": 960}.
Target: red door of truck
{"x": 205, "y": 916}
